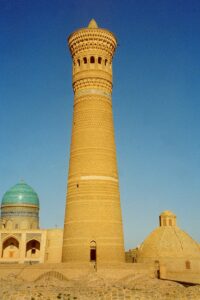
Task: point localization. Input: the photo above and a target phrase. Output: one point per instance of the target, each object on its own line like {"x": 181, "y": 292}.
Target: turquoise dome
{"x": 21, "y": 193}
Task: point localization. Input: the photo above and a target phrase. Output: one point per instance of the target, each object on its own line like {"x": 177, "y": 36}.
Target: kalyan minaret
{"x": 93, "y": 228}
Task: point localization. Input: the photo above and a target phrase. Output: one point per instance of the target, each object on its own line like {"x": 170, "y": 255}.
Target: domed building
{"x": 21, "y": 239}
{"x": 20, "y": 208}
{"x": 171, "y": 249}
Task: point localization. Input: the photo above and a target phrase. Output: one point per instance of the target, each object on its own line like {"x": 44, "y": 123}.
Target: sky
{"x": 156, "y": 105}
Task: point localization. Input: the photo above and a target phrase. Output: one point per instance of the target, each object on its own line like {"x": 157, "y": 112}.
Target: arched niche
{"x": 33, "y": 249}
{"x": 10, "y": 248}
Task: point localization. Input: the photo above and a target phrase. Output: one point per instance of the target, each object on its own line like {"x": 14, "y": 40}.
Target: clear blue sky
{"x": 156, "y": 103}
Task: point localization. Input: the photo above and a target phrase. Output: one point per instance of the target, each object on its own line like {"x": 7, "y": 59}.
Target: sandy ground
{"x": 96, "y": 288}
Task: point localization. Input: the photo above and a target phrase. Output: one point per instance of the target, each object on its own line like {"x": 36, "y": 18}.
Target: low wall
{"x": 74, "y": 271}
{"x": 176, "y": 273}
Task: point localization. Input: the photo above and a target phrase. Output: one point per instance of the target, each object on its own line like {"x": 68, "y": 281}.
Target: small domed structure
{"x": 168, "y": 242}
{"x": 167, "y": 218}
{"x": 20, "y": 207}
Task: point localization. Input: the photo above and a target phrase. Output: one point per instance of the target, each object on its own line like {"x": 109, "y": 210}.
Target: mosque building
{"x": 21, "y": 239}
{"x": 93, "y": 229}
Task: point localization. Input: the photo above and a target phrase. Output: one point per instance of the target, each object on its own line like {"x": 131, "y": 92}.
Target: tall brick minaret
{"x": 93, "y": 222}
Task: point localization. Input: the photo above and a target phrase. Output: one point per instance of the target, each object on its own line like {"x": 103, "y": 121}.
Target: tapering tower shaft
{"x": 93, "y": 223}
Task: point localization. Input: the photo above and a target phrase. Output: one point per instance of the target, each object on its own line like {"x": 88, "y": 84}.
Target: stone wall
{"x": 74, "y": 271}
{"x": 54, "y": 246}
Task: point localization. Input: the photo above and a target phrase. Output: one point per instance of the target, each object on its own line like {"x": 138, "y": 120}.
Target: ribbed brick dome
{"x": 168, "y": 241}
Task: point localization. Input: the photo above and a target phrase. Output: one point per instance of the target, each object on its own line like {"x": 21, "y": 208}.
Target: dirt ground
{"x": 95, "y": 287}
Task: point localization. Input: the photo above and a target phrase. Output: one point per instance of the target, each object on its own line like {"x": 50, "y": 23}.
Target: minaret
{"x": 93, "y": 222}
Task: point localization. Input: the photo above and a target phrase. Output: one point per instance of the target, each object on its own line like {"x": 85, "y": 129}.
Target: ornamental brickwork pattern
{"x": 93, "y": 223}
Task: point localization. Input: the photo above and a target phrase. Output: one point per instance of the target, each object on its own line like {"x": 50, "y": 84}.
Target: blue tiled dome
{"x": 21, "y": 193}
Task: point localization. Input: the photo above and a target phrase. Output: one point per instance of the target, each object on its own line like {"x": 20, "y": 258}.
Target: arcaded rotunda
{"x": 21, "y": 239}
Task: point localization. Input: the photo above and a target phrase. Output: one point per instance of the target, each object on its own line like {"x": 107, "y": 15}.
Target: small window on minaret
{"x": 92, "y": 60}
{"x": 85, "y": 60}
{"x": 99, "y": 60}
{"x": 79, "y": 62}
{"x": 106, "y": 61}
{"x": 170, "y": 222}
{"x": 164, "y": 222}
{"x": 92, "y": 254}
